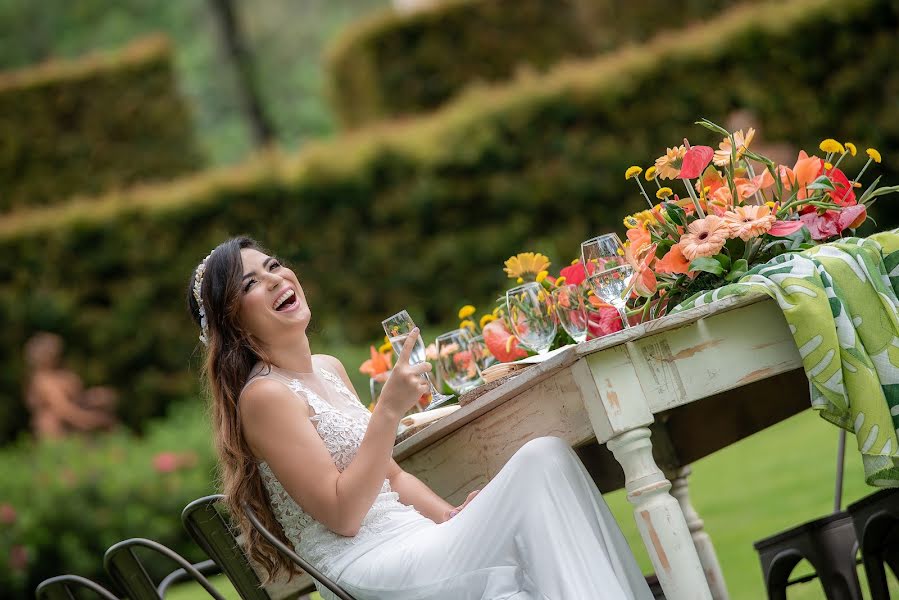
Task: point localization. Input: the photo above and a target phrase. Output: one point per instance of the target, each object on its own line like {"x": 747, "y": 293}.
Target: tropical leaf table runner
{"x": 840, "y": 301}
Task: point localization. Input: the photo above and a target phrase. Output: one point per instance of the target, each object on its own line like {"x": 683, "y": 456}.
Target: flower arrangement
{"x": 738, "y": 209}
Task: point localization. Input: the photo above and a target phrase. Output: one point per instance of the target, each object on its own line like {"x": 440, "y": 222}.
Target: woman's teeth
{"x": 283, "y": 298}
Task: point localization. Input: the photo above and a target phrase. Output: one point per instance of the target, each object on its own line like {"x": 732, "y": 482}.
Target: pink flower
{"x": 747, "y": 222}
{"x": 7, "y": 514}
{"x": 833, "y": 222}
{"x": 166, "y": 462}
{"x": 602, "y": 319}
{"x": 574, "y": 274}
{"x": 696, "y": 160}
{"x": 705, "y": 237}
{"x": 18, "y": 557}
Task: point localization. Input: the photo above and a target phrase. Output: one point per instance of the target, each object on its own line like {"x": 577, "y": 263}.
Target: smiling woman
{"x": 297, "y": 445}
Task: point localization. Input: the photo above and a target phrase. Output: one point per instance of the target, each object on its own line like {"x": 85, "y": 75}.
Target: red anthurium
{"x": 844, "y": 195}
{"x": 574, "y": 274}
{"x": 695, "y": 161}
{"x": 602, "y": 319}
{"x": 833, "y": 222}
{"x": 785, "y": 228}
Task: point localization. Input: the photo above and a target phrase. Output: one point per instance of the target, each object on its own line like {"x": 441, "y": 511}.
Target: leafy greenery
{"x": 286, "y": 36}
{"x": 84, "y": 126}
{"x": 63, "y": 503}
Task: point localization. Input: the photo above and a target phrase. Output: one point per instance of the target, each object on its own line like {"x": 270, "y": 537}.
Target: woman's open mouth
{"x": 286, "y": 301}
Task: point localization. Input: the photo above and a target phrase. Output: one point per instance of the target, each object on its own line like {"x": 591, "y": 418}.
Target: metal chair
{"x": 876, "y": 521}
{"x": 62, "y": 587}
{"x": 208, "y": 527}
{"x": 129, "y": 574}
{"x": 294, "y": 557}
{"x": 828, "y": 543}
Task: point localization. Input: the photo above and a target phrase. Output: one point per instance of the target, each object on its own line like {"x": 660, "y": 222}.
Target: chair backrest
{"x": 123, "y": 566}
{"x": 293, "y": 556}
{"x": 209, "y": 529}
{"x": 62, "y": 587}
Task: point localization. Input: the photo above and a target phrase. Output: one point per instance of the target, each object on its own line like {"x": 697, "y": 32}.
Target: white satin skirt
{"x": 540, "y": 530}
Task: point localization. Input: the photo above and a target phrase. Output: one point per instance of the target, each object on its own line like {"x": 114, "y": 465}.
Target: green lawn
{"x": 771, "y": 481}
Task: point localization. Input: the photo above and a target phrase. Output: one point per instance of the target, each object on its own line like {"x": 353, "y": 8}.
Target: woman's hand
{"x": 405, "y": 385}
{"x": 452, "y": 513}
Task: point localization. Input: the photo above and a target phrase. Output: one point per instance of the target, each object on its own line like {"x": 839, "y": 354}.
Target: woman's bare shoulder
{"x": 264, "y": 398}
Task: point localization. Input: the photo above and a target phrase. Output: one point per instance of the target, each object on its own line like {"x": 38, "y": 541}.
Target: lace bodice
{"x": 341, "y": 423}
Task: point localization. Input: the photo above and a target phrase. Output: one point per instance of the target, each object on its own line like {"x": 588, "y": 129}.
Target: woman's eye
{"x": 275, "y": 264}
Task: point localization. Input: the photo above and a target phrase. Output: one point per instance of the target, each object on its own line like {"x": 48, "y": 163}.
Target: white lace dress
{"x": 539, "y": 530}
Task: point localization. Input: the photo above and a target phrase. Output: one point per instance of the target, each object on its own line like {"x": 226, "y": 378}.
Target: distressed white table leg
{"x": 701, "y": 539}
{"x": 659, "y": 518}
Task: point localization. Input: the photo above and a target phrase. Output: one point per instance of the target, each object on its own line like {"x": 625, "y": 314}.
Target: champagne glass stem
{"x": 622, "y": 312}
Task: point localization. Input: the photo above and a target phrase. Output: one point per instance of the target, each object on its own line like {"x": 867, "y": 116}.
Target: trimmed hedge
{"x": 92, "y": 124}
{"x": 394, "y": 64}
{"x": 421, "y": 215}
{"x": 63, "y": 503}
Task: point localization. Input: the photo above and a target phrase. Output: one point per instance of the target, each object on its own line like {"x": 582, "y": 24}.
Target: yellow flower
{"x": 873, "y": 154}
{"x": 664, "y": 193}
{"x": 486, "y": 319}
{"x": 466, "y": 311}
{"x": 467, "y": 324}
{"x": 650, "y": 173}
{"x": 851, "y": 147}
{"x": 497, "y": 312}
{"x": 575, "y": 261}
{"x": 541, "y": 276}
{"x": 519, "y": 280}
{"x": 722, "y": 155}
{"x": 668, "y": 166}
{"x": 831, "y": 145}
{"x": 631, "y": 222}
{"x": 632, "y": 172}
{"x": 560, "y": 281}
{"x": 526, "y": 263}
{"x": 827, "y": 166}
{"x": 385, "y": 347}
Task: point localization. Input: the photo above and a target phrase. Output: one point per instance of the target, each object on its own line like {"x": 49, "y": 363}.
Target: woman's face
{"x": 272, "y": 302}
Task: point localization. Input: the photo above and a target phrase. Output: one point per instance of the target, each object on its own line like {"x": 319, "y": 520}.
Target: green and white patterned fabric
{"x": 840, "y": 301}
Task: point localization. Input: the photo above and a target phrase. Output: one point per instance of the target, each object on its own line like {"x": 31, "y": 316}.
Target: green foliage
{"x": 421, "y": 216}
{"x": 93, "y": 124}
{"x": 63, "y": 503}
{"x": 400, "y": 63}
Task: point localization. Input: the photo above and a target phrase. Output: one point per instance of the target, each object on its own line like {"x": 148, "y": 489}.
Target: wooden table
{"x": 652, "y": 399}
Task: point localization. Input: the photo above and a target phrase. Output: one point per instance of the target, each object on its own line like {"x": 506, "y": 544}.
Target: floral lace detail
{"x": 342, "y": 388}
{"x": 342, "y": 433}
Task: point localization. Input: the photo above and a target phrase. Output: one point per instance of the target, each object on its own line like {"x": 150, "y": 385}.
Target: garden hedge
{"x": 394, "y": 63}
{"x": 63, "y": 503}
{"x": 421, "y": 215}
{"x": 88, "y": 125}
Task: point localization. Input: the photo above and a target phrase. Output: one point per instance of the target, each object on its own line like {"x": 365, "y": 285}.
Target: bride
{"x": 298, "y": 446}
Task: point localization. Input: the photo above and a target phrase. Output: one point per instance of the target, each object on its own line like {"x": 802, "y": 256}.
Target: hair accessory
{"x": 198, "y": 285}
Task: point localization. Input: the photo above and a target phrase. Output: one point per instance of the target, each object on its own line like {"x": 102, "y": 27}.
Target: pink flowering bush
{"x": 63, "y": 503}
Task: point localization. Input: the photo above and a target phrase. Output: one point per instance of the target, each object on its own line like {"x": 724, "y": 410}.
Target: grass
{"x": 769, "y": 482}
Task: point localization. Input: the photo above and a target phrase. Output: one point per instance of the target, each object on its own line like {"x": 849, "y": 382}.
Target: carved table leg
{"x": 660, "y": 520}
{"x": 701, "y": 539}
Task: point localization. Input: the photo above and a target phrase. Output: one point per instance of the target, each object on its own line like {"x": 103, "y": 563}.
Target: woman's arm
{"x": 414, "y": 492}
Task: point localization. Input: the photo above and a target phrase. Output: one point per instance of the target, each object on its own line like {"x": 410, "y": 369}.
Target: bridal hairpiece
{"x": 198, "y": 285}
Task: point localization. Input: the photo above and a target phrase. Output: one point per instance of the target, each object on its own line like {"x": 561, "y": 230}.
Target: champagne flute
{"x": 456, "y": 361}
{"x": 568, "y": 303}
{"x": 602, "y": 252}
{"x": 614, "y": 286}
{"x": 529, "y": 308}
{"x": 398, "y": 327}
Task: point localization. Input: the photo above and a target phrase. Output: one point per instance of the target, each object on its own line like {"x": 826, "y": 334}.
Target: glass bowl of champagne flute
{"x": 457, "y": 361}
{"x": 398, "y": 327}
{"x": 602, "y": 252}
{"x": 570, "y": 307}
{"x": 529, "y": 313}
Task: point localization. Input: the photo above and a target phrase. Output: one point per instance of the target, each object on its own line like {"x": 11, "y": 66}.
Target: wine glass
{"x": 601, "y": 253}
{"x": 457, "y": 362}
{"x": 529, "y": 309}
{"x": 481, "y": 353}
{"x": 568, "y": 304}
{"x": 614, "y": 286}
{"x": 398, "y": 327}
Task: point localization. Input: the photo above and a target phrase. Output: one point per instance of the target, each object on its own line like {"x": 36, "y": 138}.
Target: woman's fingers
{"x": 408, "y": 345}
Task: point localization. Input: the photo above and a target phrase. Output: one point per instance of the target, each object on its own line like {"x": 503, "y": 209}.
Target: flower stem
{"x": 694, "y": 198}
{"x": 643, "y": 191}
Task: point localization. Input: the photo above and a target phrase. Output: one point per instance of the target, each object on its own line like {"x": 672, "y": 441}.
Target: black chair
{"x": 828, "y": 543}
{"x": 129, "y": 574}
{"x": 876, "y": 522}
{"x": 62, "y": 587}
{"x": 209, "y": 528}
{"x": 294, "y": 557}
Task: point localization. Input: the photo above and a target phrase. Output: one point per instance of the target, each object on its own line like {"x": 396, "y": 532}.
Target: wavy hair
{"x": 230, "y": 355}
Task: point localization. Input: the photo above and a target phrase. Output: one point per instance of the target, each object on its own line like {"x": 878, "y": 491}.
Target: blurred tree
{"x": 242, "y": 59}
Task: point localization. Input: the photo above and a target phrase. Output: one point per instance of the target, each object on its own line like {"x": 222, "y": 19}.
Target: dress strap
{"x": 318, "y": 404}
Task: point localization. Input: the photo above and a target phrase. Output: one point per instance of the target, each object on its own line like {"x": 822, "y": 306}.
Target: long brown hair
{"x": 230, "y": 355}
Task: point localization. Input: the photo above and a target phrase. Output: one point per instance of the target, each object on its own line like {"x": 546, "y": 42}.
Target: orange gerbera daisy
{"x": 705, "y": 237}
{"x": 668, "y": 166}
{"x": 747, "y": 222}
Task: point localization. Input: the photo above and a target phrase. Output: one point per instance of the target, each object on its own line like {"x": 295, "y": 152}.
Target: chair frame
{"x": 129, "y": 574}
{"x": 60, "y": 587}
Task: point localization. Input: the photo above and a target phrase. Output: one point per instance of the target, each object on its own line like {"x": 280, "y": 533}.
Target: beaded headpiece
{"x": 198, "y": 285}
